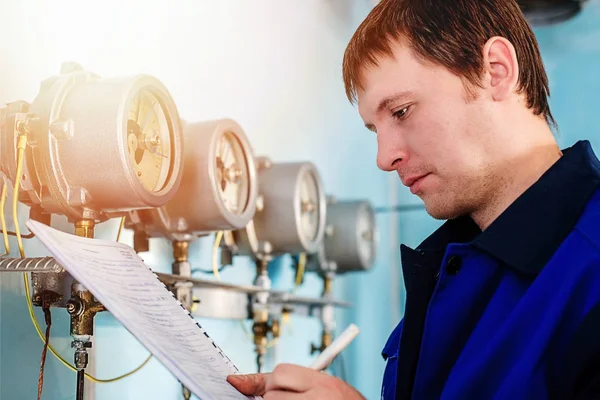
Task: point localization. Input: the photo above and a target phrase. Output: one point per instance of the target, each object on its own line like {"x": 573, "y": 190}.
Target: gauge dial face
{"x": 149, "y": 141}
{"x": 366, "y": 236}
{"x": 232, "y": 174}
{"x": 309, "y": 206}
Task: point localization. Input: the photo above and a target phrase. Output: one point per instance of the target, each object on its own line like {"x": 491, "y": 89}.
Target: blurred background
{"x": 275, "y": 67}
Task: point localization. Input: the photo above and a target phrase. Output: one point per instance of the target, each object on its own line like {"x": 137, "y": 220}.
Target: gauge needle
{"x": 226, "y": 154}
{"x": 221, "y": 145}
{"x": 132, "y": 140}
{"x": 150, "y": 112}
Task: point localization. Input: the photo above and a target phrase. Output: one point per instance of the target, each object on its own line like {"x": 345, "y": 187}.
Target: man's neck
{"x": 517, "y": 175}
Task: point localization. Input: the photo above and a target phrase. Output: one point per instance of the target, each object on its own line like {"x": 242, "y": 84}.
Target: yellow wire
{"x": 22, "y": 143}
{"x": 121, "y": 225}
{"x": 3, "y": 219}
{"x": 215, "y": 255}
{"x": 301, "y": 267}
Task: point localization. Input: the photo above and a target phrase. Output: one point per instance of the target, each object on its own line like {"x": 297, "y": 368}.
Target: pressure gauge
{"x": 351, "y": 239}
{"x": 290, "y": 217}
{"x": 98, "y": 148}
{"x": 218, "y": 189}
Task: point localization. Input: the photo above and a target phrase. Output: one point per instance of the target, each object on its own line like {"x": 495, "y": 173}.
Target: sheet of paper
{"x": 120, "y": 280}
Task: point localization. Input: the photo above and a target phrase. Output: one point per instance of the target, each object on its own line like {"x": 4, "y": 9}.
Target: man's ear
{"x": 501, "y": 67}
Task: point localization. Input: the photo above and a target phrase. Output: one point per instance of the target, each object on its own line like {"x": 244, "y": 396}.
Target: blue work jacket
{"x": 512, "y": 312}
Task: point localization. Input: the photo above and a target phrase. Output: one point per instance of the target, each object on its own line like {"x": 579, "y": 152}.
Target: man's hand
{"x": 293, "y": 382}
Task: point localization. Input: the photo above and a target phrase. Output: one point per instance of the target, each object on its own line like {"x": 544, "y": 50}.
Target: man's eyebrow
{"x": 393, "y": 98}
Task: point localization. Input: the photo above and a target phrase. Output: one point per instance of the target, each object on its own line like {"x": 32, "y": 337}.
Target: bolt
{"x": 181, "y": 225}
{"x": 308, "y": 206}
{"x": 233, "y": 174}
{"x": 72, "y": 307}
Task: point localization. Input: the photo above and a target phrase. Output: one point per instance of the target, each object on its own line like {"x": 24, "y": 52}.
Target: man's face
{"x": 438, "y": 140}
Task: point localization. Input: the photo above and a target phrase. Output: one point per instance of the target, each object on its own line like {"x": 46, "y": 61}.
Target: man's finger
{"x": 251, "y": 384}
{"x": 292, "y": 378}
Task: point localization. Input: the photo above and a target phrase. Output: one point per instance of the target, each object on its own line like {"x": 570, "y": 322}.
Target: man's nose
{"x": 390, "y": 152}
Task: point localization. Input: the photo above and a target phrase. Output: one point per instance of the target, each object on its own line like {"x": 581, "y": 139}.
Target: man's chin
{"x": 442, "y": 210}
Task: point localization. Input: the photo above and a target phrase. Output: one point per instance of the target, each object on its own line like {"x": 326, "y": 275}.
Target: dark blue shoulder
{"x": 393, "y": 343}
{"x": 589, "y": 222}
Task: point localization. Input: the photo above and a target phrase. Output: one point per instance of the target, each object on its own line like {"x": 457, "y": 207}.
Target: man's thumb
{"x": 250, "y": 385}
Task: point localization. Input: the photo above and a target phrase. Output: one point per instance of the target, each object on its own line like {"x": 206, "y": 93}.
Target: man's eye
{"x": 400, "y": 114}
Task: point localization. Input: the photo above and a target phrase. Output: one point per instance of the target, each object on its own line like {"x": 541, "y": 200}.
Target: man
{"x": 503, "y": 301}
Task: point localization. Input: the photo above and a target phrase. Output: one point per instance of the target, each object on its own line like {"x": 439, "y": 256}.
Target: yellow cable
{"x": 215, "y": 255}
{"x": 121, "y": 225}
{"x": 3, "y": 219}
{"x": 300, "y": 271}
{"x": 22, "y": 143}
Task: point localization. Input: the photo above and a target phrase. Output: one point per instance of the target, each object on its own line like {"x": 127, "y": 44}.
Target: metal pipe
{"x": 82, "y": 307}
{"x": 37, "y": 264}
{"x": 80, "y": 380}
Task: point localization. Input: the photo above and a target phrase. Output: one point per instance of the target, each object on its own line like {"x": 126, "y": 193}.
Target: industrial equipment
{"x": 349, "y": 245}
{"x": 290, "y": 219}
{"x": 218, "y": 192}
{"x": 90, "y": 149}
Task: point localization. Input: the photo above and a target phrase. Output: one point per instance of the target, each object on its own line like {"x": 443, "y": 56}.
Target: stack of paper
{"x": 120, "y": 280}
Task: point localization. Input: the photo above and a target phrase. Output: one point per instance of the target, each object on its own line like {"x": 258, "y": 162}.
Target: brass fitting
{"x": 275, "y": 328}
{"x": 326, "y": 339}
{"x": 83, "y": 307}
{"x": 327, "y": 285}
{"x": 181, "y": 251}
{"x": 261, "y": 266}
{"x": 85, "y": 228}
{"x": 261, "y": 329}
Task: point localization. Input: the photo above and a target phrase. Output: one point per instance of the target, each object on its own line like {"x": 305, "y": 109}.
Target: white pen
{"x": 335, "y": 348}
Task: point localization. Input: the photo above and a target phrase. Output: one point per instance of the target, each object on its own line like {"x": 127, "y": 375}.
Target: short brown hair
{"x": 450, "y": 33}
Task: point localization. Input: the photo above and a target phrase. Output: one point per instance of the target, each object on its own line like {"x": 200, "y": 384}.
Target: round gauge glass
{"x": 149, "y": 141}
{"x": 232, "y": 174}
{"x": 366, "y": 236}
{"x": 309, "y": 206}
